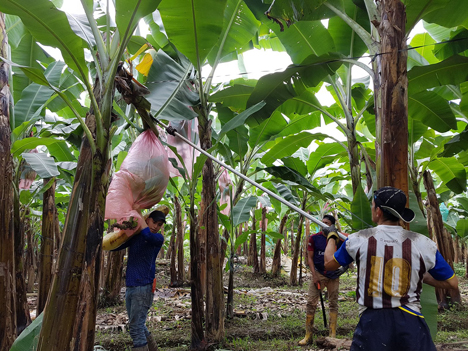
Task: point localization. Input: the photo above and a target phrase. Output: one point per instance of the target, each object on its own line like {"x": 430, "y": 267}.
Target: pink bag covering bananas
{"x": 141, "y": 181}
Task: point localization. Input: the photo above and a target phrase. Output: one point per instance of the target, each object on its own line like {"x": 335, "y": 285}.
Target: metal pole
{"x": 283, "y": 201}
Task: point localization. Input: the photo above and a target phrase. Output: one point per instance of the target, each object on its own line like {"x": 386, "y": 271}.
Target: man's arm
{"x": 330, "y": 262}
{"x": 310, "y": 259}
{"x": 451, "y": 283}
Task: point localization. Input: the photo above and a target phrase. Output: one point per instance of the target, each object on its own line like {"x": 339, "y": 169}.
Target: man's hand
{"x": 137, "y": 217}
{"x": 331, "y": 233}
{"x": 316, "y": 279}
{"x": 331, "y": 228}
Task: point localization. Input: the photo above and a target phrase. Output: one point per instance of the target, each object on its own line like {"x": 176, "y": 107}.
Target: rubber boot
{"x": 152, "y": 346}
{"x": 333, "y": 319}
{"x": 141, "y": 348}
{"x": 309, "y": 331}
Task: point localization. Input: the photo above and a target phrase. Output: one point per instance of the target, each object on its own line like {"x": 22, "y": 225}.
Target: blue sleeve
{"x": 342, "y": 256}
{"x": 152, "y": 239}
{"x": 124, "y": 245}
{"x": 441, "y": 270}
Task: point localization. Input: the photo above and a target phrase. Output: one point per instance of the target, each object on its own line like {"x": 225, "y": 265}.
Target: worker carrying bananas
{"x": 321, "y": 278}
{"x": 143, "y": 249}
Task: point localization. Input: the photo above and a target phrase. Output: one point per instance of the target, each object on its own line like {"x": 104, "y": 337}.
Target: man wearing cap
{"x": 143, "y": 249}
{"x": 392, "y": 265}
{"x": 321, "y": 278}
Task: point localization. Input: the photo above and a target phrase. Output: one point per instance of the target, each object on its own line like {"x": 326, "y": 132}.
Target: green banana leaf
{"x": 29, "y": 337}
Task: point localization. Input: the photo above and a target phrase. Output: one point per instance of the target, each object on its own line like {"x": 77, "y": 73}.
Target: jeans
{"x": 138, "y": 300}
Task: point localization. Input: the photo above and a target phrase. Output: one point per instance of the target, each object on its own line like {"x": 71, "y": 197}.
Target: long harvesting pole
{"x": 173, "y": 132}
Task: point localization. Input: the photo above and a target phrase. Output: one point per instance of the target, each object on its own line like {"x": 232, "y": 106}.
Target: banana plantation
{"x": 109, "y": 114}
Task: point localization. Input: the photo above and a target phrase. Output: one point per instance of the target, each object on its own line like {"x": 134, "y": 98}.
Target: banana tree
{"x": 79, "y": 261}
{"x": 204, "y": 38}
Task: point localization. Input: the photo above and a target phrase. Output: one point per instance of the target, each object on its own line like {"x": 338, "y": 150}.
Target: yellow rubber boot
{"x": 309, "y": 331}
{"x": 333, "y": 319}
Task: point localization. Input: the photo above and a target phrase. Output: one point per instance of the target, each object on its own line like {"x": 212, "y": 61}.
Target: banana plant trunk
{"x": 214, "y": 312}
{"x": 113, "y": 279}
{"x": 353, "y": 154}
{"x": 171, "y": 252}
{"x": 262, "y": 242}
{"x": 47, "y": 246}
{"x": 7, "y": 262}
{"x": 202, "y": 246}
{"x": 179, "y": 242}
{"x": 23, "y": 318}
{"x": 75, "y": 286}
{"x": 297, "y": 248}
{"x": 198, "y": 341}
{"x": 236, "y": 198}
{"x": 253, "y": 254}
{"x": 276, "y": 265}
{"x": 30, "y": 261}
{"x": 445, "y": 298}
{"x": 391, "y": 94}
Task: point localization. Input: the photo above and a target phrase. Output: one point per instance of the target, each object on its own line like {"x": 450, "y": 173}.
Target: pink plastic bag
{"x": 141, "y": 181}
{"x": 224, "y": 181}
{"x": 189, "y": 130}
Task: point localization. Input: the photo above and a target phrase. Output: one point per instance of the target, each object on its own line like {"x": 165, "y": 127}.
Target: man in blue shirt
{"x": 143, "y": 249}
{"x": 320, "y": 278}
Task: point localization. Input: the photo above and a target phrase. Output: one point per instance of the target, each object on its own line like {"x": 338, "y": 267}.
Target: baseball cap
{"x": 157, "y": 216}
{"x": 393, "y": 201}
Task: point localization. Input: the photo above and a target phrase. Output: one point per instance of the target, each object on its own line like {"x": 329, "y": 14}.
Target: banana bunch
{"x": 115, "y": 239}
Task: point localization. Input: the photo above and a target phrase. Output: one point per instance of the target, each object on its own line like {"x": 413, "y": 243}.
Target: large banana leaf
{"x": 462, "y": 227}
{"x": 302, "y": 104}
{"x": 458, "y": 44}
{"x": 128, "y": 13}
{"x": 19, "y": 146}
{"x": 15, "y": 30}
{"x": 346, "y": 40}
{"x": 305, "y": 38}
{"x": 50, "y": 27}
{"x": 290, "y": 145}
{"x": 35, "y": 96}
{"x": 239, "y": 119}
{"x": 296, "y": 164}
{"x": 44, "y": 165}
{"x": 286, "y": 174}
{"x": 291, "y": 11}
{"x": 28, "y": 53}
{"x": 234, "y": 97}
{"x": 268, "y": 129}
{"x": 193, "y": 27}
{"x": 299, "y": 123}
{"x": 415, "y": 9}
{"x": 170, "y": 95}
{"x": 323, "y": 155}
{"x": 238, "y": 140}
{"x": 361, "y": 210}
{"x": 240, "y": 26}
{"x": 276, "y": 88}
{"x": 419, "y": 223}
{"x": 457, "y": 144}
{"x": 452, "y": 13}
{"x": 29, "y": 337}
{"x": 452, "y": 71}
{"x": 429, "y": 308}
{"x": 451, "y": 172}
{"x": 241, "y": 211}
{"x": 431, "y": 109}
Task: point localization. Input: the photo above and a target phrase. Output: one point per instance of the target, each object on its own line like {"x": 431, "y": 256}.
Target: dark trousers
{"x": 391, "y": 329}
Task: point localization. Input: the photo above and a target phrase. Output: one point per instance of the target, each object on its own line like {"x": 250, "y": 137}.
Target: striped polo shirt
{"x": 391, "y": 263}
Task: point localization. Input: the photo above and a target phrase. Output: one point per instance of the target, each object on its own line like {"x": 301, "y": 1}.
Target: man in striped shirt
{"x": 392, "y": 265}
